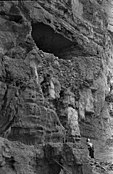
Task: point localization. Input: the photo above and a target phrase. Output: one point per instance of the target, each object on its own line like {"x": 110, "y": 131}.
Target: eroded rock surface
{"x": 56, "y": 86}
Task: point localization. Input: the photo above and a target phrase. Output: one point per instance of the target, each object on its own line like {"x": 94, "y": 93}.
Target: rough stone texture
{"x": 56, "y": 86}
{"x": 16, "y": 157}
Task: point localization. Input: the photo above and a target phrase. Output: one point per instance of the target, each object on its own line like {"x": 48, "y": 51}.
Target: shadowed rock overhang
{"x": 50, "y": 41}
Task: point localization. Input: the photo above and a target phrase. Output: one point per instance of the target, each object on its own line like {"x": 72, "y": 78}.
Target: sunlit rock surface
{"x": 56, "y": 70}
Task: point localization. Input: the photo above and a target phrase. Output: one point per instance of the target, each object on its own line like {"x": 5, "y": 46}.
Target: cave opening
{"x": 50, "y": 41}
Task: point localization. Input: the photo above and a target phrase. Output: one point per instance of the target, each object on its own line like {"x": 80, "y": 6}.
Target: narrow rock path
{"x": 103, "y": 163}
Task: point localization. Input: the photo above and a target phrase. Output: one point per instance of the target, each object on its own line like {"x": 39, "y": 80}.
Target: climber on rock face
{"x": 90, "y": 148}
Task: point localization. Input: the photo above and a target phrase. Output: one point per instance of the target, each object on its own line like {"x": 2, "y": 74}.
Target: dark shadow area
{"x": 47, "y": 40}
{"x": 50, "y": 41}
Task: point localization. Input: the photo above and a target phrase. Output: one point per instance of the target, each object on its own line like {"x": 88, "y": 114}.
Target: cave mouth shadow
{"x": 53, "y": 42}
{"x": 48, "y": 40}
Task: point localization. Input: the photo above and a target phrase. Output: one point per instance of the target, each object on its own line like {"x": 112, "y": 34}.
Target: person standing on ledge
{"x": 90, "y": 148}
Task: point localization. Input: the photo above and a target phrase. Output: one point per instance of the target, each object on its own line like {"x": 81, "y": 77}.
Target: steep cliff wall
{"x": 56, "y": 84}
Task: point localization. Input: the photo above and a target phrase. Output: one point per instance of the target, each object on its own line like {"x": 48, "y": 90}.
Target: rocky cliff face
{"x": 56, "y": 84}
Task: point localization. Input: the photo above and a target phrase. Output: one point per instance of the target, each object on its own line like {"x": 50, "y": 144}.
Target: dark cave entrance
{"x": 48, "y": 40}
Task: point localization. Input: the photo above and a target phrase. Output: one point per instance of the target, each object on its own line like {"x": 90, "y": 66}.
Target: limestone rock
{"x": 73, "y": 121}
{"x": 86, "y": 103}
{"x": 55, "y": 78}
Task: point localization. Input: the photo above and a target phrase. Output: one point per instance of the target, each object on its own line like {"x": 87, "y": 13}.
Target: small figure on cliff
{"x": 90, "y": 148}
